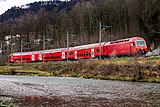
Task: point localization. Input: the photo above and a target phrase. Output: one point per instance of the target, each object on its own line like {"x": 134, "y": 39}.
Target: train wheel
{"x": 141, "y": 53}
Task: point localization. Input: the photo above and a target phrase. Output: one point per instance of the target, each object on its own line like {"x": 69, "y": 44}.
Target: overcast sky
{"x": 7, "y": 4}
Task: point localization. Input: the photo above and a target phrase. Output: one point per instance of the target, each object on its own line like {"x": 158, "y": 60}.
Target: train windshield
{"x": 140, "y": 43}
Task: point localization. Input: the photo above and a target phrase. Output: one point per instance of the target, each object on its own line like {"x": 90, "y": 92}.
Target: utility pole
{"x": 1, "y": 50}
{"x": 100, "y": 38}
{"x": 69, "y": 36}
{"x": 100, "y": 35}
{"x": 21, "y": 49}
{"x": 22, "y": 45}
{"x": 43, "y": 46}
{"x": 67, "y": 44}
{"x": 44, "y": 42}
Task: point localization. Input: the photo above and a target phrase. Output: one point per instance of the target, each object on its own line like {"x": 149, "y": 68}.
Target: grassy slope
{"x": 21, "y": 70}
{"x": 128, "y": 69}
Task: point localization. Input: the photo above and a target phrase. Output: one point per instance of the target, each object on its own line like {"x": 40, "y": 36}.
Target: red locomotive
{"x": 122, "y": 47}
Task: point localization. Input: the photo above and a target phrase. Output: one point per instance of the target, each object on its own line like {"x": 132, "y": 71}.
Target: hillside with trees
{"x": 52, "y": 19}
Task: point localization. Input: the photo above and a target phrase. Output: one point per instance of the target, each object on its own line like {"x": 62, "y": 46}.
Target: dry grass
{"x": 116, "y": 69}
{"x": 132, "y": 69}
{"x": 21, "y": 70}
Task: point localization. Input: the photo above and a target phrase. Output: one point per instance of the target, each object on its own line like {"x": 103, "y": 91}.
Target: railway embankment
{"x": 125, "y": 69}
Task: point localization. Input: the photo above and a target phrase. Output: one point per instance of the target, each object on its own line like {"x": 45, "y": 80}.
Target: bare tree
{"x": 42, "y": 23}
{"x": 26, "y": 26}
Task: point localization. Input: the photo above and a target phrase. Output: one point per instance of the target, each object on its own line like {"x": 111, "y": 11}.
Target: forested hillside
{"x": 54, "y": 18}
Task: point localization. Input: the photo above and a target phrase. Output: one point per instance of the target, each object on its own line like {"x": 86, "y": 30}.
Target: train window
{"x": 140, "y": 43}
{"x": 87, "y": 53}
{"x": 132, "y": 44}
{"x": 97, "y": 50}
{"x": 71, "y": 53}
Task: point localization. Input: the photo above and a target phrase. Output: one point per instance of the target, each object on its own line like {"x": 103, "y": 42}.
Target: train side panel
{"x": 56, "y": 56}
{"x": 84, "y": 54}
{"x": 71, "y": 54}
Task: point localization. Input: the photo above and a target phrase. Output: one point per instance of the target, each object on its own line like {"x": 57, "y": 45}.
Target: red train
{"x": 122, "y": 47}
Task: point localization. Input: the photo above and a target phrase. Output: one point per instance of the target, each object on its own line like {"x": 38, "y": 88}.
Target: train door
{"x": 33, "y": 58}
{"x": 92, "y": 52}
{"x": 11, "y": 58}
{"x": 75, "y": 54}
{"x": 40, "y": 57}
{"x": 63, "y": 55}
{"x": 132, "y": 48}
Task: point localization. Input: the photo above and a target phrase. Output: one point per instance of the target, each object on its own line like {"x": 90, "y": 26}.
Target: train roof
{"x": 122, "y": 40}
{"x": 86, "y": 46}
{"x": 41, "y": 51}
{"x": 23, "y": 53}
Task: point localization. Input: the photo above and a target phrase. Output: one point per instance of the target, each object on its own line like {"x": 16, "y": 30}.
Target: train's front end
{"x": 141, "y": 46}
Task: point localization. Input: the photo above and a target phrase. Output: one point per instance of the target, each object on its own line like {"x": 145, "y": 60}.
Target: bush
{"x": 2, "y": 62}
